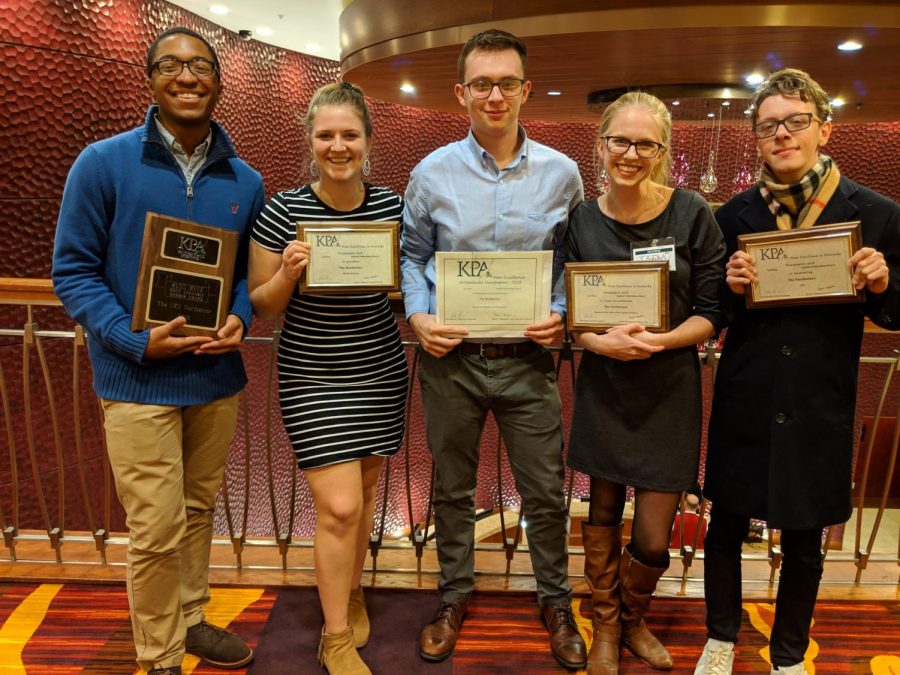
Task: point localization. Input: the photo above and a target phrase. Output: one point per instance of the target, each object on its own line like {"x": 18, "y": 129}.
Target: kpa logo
{"x": 191, "y": 248}
{"x": 592, "y": 280}
{"x": 473, "y": 268}
{"x": 327, "y": 240}
{"x": 772, "y": 253}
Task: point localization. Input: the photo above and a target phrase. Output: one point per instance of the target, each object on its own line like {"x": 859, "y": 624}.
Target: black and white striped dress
{"x": 342, "y": 375}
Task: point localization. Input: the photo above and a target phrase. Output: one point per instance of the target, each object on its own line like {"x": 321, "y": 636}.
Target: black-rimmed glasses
{"x": 508, "y": 87}
{"x": 795, "y": 122}
{"x": 619, "y": 146}
{"x": 172, "y": 67}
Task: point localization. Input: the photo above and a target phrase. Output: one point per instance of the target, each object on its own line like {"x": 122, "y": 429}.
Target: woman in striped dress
{"x": 341, "y": 368}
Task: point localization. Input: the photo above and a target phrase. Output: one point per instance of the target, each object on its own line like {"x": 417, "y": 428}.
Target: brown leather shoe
{"x": 565, "y": 640}
{"x": 438, "y": 638}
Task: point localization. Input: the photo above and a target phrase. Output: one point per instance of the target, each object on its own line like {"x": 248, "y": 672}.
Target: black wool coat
{"x": 780, "y": 441}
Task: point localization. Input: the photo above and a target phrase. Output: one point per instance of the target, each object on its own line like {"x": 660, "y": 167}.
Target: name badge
{"x": 656, "y": 250}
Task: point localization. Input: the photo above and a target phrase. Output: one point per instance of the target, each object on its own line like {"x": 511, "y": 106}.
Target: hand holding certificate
{"x": 804, "y": 266}
{"x": 351, "y": 257}
{"x": 493, "y": 294}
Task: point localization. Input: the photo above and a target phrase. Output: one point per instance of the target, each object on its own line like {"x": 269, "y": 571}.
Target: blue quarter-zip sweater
{"x": 97, "y": 251}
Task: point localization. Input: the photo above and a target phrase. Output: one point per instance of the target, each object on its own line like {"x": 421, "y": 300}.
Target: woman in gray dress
{"x": 637, "y": 416}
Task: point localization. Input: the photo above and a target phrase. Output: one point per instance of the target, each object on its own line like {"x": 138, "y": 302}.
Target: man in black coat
{"x": 781, "y": 433}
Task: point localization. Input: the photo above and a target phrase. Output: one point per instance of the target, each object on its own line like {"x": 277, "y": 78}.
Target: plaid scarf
{"x": 798, "y": 205}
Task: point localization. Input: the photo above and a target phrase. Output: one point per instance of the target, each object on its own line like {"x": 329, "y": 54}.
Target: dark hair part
{"x": 339, "y": 93}
{"x": 792, "y": 82}
{"x": 649, "y": 102}
{"x": 492, "y": 40}
{"x": 180, "y": 30}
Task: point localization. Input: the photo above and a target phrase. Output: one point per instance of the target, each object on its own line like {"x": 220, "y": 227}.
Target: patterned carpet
{"x": 49, "y": 629}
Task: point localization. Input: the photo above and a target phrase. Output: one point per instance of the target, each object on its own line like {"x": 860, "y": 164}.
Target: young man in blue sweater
{"x": 169, "y": 402}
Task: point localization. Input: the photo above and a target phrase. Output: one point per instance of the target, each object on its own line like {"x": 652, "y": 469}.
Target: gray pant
{"x": 457, "y": 393}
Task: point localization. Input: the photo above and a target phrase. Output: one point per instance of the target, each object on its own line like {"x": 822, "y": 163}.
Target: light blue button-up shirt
{"x": 458, "y": 199}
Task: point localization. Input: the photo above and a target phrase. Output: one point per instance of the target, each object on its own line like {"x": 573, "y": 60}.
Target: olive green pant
{"x": 457, "y": 394}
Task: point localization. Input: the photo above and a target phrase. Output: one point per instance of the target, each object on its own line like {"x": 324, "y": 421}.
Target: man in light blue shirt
{"x": 495, "y": 190}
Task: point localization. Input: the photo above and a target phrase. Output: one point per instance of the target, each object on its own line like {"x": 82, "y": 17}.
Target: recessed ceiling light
{"x": 850, "y": 46}
{"x": 748, "y": 111}
{"x": 264, "y": 30}
{"x": 221, "y": 10}
{"x": 553, "y": 92}
{"x": 726, "y": 103}
{"x": 754, "y": 79}
{"x": 407, "y": 88}
{"x": 837, "y": 102}
{"x": 313, "y": 47}
{"x": 676, "y": 102}
{"x": 710, "y": 114}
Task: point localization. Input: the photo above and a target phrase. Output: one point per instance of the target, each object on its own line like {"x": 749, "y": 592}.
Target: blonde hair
{"x": 655, "y": 107}
{"x": 339, "y": 93}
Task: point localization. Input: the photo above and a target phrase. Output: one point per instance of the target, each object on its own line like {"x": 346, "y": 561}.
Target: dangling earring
{"x": 367, "y": 166}
{"x": 603, "y": 180}
{"x": 313, "y": 168}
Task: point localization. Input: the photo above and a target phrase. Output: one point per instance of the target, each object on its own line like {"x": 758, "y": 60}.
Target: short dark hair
{"x": 492, "y": 40}
{"x": 792, "y": 82}
{"x": 180, "y": 30}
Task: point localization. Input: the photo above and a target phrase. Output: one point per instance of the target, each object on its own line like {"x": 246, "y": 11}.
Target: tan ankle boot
{"x": 636, "y": 585}
{"x": 358, "y": 618}
{"x": 338, "y": 655}
{"x": 602, "y": 546}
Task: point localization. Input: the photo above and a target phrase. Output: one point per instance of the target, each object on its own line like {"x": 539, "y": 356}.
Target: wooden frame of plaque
{"x": 335, "y": 272}
{"x": 595, "y": 277}
{"x": 841, "y": 240}
{"x": 186, "y": 270}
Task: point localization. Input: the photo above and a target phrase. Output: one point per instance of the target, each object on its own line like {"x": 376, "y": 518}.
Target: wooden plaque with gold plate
{"x": 186, "y": 270}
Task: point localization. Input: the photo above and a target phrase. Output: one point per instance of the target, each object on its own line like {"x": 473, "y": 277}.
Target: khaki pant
{"x": 167, "y": 462}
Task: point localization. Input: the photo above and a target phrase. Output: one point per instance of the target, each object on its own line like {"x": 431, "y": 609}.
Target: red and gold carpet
{"x": 49, "y": 629}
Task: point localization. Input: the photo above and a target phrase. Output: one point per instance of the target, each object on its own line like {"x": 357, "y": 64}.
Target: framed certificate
{"x": 186, "y": 270}
{"x": 351, "y": 257}
{"x": 600, "y": 295}
{"x": 493, "y": 294}
{"x": 802, "y": 267}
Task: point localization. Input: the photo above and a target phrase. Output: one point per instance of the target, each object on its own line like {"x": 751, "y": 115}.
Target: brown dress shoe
{"x": 438, "y": 638}
{"x": 566, "y": 642}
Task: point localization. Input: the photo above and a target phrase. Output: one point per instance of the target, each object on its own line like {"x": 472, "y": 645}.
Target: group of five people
{"x": 780, "y": 442}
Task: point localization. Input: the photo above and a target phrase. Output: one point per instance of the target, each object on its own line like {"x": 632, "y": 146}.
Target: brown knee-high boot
{"x": 636, "y": 585}
{"x": 602, "y": 546}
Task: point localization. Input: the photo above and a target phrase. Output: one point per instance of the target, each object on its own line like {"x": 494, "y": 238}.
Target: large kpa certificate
{"x": 493, "y": 294}
{"x": 601, "y": 295}
{"x": 351, "y": 257}
{"x": 800, "y": 267}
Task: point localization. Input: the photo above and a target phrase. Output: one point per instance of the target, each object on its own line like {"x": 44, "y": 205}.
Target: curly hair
{"x": 792, "y": 82}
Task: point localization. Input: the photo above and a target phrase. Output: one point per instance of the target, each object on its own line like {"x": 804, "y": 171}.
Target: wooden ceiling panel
{"x": 565, "y": 57}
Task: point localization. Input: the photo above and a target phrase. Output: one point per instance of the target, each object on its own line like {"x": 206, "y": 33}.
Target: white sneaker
{"x": 717, "y": 658}
{"x": 796, "y": 669}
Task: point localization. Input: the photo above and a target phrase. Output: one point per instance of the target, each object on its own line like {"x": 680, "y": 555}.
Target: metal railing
{"x": 94, "y": 509}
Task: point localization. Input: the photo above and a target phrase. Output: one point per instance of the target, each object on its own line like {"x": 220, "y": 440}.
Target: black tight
{"x": 654, "y": 513}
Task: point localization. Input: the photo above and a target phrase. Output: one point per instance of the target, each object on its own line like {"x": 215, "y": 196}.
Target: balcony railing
{"x": 56, "y": 487}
